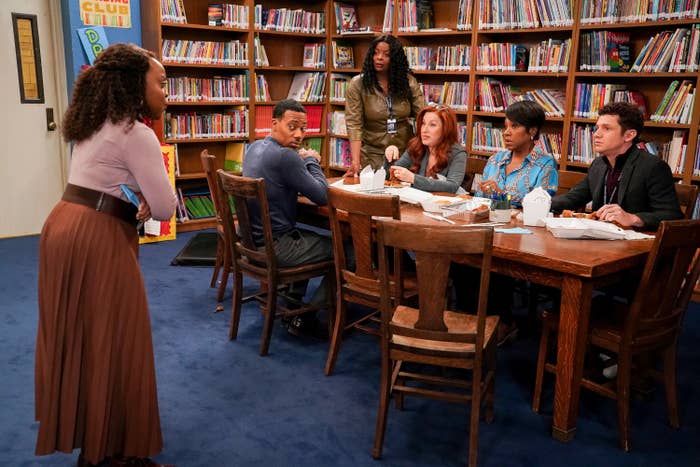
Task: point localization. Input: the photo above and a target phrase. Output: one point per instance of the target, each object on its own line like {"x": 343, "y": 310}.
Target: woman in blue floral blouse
{"x": 520, "y": 167}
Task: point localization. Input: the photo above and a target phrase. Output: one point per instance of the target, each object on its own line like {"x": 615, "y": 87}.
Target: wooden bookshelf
{"x": 285, "y": 55}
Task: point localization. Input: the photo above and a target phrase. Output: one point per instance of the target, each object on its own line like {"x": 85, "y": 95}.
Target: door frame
{"x": 61, "y": 82}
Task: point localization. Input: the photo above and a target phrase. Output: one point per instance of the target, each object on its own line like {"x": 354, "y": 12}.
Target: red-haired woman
{"x": 433, "y": 160}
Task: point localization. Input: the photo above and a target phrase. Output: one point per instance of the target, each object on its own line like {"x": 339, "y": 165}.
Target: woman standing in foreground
{"x": 95, "y": 386}
{"x": 379, "y": 102}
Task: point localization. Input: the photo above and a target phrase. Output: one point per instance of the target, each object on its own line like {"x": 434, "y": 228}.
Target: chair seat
{"x": 457, "y": 323}
{"x": 605, "y": 329}
{"x": 369, "y": 289}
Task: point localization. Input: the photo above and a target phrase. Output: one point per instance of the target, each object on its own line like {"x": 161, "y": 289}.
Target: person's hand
{"x": 351, "y": 173}
{"x": 391, "y": 153}
{"x": 614, "y": 213}
{"x": 402, "y": 174}
{"x": 144, "y": 212}
{"x": 489, "y": 186}
{"x": 308, "y": 152}
{"x": 354, "y": 170}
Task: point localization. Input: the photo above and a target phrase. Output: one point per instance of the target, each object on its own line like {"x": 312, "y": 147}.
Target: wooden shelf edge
{"x": 196, "y": 224}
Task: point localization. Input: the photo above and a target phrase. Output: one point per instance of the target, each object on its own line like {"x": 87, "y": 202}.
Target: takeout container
{"x": 499, "y": 215}
{"x": 437, "y": 203}
{"x": 472, "y": 210}
{"x": 536, "y": 205}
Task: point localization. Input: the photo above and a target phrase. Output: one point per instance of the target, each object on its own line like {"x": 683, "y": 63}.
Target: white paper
{"x": 409, "y": 194}
{"x": 575, "y": 228}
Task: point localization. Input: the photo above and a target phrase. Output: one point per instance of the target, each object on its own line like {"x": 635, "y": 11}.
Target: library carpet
{"x": 200, "y": 250}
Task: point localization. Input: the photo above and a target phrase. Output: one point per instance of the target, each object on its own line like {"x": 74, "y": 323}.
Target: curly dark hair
{"x": 398, "y": 69}
{"x": 416, "y": 149}
{"x": 113, "y": 88}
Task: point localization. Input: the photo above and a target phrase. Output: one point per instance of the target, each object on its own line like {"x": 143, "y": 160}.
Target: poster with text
{"x": 110, "y": 13}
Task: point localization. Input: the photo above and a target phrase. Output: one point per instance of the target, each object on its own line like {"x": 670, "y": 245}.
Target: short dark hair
{"x": 629, "y": 116}
{"x": 287, "y": 104}
{"x": 528, "y": 114}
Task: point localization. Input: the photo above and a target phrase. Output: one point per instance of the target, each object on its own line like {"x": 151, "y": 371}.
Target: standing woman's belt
{"x": 101, "y": 202}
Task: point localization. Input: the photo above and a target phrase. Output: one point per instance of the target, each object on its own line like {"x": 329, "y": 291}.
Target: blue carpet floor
{"x": 223, "y": 405}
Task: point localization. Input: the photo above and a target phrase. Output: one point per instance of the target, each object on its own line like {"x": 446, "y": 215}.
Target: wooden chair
{"x": 223, "y": 251}
{"x": 350, "y": 215}
{"x": 475, "y": 165}
{"x": 430, "y": 335}
{"x": 651, "y": 324}
{"x": 687, "y": 197}
{"x": 260, "y": 262}
{"x": 568, "y": 179}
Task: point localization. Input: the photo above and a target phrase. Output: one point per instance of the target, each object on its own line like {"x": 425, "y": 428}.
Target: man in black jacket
{"x": 627, "y": 185}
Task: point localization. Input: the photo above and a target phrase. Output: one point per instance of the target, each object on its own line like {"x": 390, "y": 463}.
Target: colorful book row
{"x": 188, "y": 125}
{"x": 516, "y": 14}
{"x": 590, "y": 97}
{"x": 205, "y": 52}
{"x": 551, "y": 55}
{"x": 338, "y": 86}
{"x": 219, "y": 89}
{"x": 639, "y": 11}
{"x": 677, "y": 104}
{"x": 287, "y": 20}
{"x": 308, "y": 87}
{"x": 442, "y": 58}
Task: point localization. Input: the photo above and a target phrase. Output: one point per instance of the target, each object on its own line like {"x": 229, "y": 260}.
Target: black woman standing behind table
{"x": 95, "y": 382}
{"x": 379, "y": 102}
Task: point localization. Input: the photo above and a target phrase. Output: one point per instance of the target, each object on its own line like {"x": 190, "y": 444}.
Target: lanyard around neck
{"x": 607, "y": 200}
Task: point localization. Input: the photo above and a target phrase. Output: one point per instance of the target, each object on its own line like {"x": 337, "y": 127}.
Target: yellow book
{"x": 158, "y": 231}
{"x": 234, "y": 157}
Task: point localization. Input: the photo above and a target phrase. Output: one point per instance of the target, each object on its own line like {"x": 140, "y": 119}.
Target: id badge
{"x": 391, "y": 126}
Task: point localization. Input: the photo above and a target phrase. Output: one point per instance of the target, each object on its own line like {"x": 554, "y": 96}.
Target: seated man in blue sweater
{"x": 290, "y": 170}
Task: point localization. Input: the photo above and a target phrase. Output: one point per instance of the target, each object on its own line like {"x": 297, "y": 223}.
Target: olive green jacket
{"x": 366, "y": 114}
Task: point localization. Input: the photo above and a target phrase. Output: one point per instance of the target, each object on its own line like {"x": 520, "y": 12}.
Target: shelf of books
{"x": 571, "y": 56}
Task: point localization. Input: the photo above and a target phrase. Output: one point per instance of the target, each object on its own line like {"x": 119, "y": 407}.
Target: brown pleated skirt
{"x": 95, "y": 385}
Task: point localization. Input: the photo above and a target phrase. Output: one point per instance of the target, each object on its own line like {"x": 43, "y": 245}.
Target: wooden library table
{"x": 576, "y": 267}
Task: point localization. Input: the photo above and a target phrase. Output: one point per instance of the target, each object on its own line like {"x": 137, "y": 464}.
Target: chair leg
{"x": 236, "y": 306}
{"x": 224, "y": 276}
{"x": 398, "y": 397}
{"x": 474, "y": 417}
{"x": 670, "y": 386}
{"x": 217, "y": 264}
{"x": 384, "y": 395}
{"x": 623, "y": 400}
{"x": 539, "y": 373}
{"x": 490, "y": 391}
{"x": 270, "y": 310}
{"x": 338, "y": 328}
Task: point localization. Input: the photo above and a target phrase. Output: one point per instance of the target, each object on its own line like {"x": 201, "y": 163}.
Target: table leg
{"x": 573, "y": 328}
